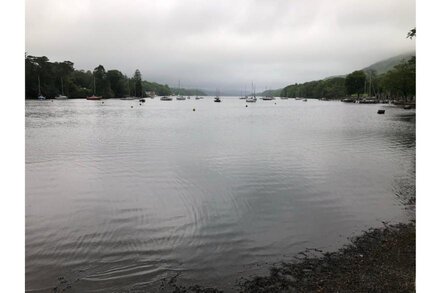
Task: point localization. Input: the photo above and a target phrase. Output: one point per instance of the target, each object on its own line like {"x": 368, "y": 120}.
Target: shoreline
{"x": 378, "y": 260}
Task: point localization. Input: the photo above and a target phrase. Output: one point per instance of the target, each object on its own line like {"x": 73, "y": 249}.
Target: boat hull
{"x": 94, "y": 98}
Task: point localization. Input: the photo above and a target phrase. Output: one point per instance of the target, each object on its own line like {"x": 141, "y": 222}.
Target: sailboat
{"x": 62, "y": 96}
{"x": 40, "y": 96}
{"x": 267, "y": 98}
{"x": 217, "y": 97}
{"x": 179, "y": 96}
{"x": 129, "y": 97}
{"x": 94, "y": 98}
{"x": 252, "y": 98}
{"x": 245, "y": 95}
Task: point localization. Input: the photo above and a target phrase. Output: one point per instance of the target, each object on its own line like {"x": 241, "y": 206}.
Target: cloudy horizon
{"x": 222, "y": 44}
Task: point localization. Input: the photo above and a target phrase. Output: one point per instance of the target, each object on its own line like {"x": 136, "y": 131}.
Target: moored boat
{"x": 252, "y": 98}
{"x": 61, "y": 96}
{"x": 217, "y": 97}
{"x": 93, "y": 97}
{"x": 40, "y": 96}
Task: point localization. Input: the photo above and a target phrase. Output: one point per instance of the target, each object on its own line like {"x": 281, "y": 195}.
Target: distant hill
{"x": 270, "y": 93}
{"x": 388, "y": 64}
{"x": 382, "y": 66}
{"x": 188, "y": 92}
{"x": 334, "y": 86}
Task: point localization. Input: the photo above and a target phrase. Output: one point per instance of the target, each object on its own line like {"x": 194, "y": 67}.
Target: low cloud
{"x": 221, "y": 44}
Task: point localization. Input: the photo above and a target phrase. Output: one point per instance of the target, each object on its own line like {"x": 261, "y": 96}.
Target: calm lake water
{"x": 118, "y": 198}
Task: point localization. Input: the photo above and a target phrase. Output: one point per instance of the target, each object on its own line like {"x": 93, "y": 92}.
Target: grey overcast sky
{"x": 221, "y": 44}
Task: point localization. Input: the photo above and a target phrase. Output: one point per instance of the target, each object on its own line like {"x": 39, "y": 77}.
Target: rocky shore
{"x": 379, "y": 260}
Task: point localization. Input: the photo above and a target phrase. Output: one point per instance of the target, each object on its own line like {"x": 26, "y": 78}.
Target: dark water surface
{"x": 118, "y": 198}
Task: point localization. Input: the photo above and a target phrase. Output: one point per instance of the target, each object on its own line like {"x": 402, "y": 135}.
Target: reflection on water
{"x": 119, "y": 198}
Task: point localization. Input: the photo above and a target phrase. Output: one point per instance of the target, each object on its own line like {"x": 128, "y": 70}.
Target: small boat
{"x": 407, "y": 107}
{"x": 142, "y": 100}
{"x": 348, "y": 100}
{"x": 198, "y": 98}
{"x": 380, "y": 111}
{"x": 40, "y": 96}
{"x": 217, "y": 98}
{"x": 268, "y": 98}
{"x": 150, "y": 94}
{"x": 305, "y": 100}
{"x": 165, "y": 98}
{"x": 188, "y": 97}
{"x": 94, "y": 98}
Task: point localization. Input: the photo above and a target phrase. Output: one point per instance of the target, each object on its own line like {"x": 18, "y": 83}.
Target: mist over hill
{"x": 386, "y": 65}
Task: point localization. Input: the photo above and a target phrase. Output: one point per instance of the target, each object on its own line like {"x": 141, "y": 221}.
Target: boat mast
{"x": 39, "y": 89}
{"x": 128, "y": 86}
{"x": 370, "y": 85}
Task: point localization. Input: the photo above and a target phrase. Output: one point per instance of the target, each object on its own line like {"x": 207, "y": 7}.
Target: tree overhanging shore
{"x": 379, "y": 260}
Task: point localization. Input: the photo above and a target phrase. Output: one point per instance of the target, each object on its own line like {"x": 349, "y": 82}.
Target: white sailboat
{"x": 245, "y": 95}
{"x": 252, "y": 98}
{"x": 40, "y": 96}
{"x": 129, "y": 97}
{"x": 179, "y": 96}
{"x": 62, "y": 96}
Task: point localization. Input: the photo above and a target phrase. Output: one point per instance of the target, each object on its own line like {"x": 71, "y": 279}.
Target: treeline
{"x": 61, "y": 77}
{"x": 398, "y": 83}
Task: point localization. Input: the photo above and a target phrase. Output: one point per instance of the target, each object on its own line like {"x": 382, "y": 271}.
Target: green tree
{"x": 102, "y": 84}
{"x": 118, "y": 82}
{"x": 137, "y": 79}
{"x": 401, "y": 81}
{"x": 355, "y": 82}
